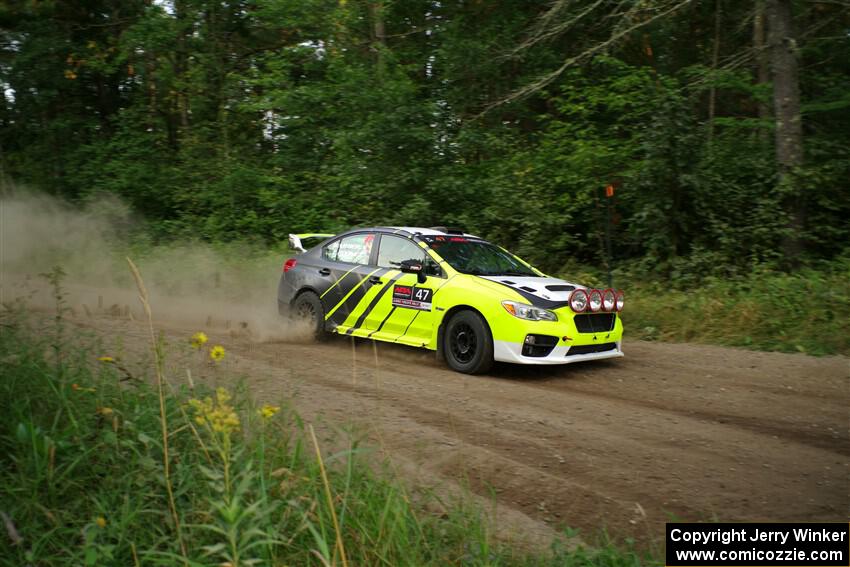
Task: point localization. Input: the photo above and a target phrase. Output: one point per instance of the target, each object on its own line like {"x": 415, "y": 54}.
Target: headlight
{"x": 609, "y": 300}
{"x": 595, "y": 300}
{"x": 620, "y": 300}
{"x": 528, "y": 312}
{"x": 578, "y": 300}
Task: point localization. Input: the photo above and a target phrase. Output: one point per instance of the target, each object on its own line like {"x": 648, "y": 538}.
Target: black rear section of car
{"x": 340, "y": 271}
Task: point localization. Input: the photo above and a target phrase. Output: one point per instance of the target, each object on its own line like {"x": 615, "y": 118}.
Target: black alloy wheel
{"x": 468, "y": 343}
{"x": 307, "y": 309}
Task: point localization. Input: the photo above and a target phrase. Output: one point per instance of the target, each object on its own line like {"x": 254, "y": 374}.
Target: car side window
{"x": 354, "y": 249}
{"x": 395, "y": 249}
{"x": 331, "y": 251}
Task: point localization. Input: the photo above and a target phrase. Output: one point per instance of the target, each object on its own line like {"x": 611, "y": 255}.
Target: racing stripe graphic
{"x": 372, "y": 304}
{"x": 535, "y": 300}
{"x": 381, "y": 326}
{"x": 417, "y": 313}
{"x": 342, "y": 277}
{"x": 369, "y": 291}
{"x": 408, "y": 327}
{"x": 341, "y": 311}
{"x": 392, "y": 311}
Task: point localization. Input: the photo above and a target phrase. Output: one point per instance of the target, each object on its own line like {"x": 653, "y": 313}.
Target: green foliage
{"x": 255, "y": 118}
{"x": 804, "y": 312}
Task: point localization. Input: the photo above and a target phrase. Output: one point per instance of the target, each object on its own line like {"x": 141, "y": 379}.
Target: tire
{"x": 468, "y": 343}
{"x": 308, "y": 307}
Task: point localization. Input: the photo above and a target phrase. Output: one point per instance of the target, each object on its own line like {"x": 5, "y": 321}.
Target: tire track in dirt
{"x": 758, "y": 425}
{"x": 626, "y": 454}
{"x": 684, "y": 431}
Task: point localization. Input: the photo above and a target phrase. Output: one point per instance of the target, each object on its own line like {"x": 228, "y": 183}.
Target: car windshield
{"x": 477, "y": 257}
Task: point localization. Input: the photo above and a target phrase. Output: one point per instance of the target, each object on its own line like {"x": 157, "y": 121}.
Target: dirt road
{"x": 670, "y": 431}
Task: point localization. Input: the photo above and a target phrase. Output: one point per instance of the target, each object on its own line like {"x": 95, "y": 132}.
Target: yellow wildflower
{"x": 100, "y": 521}
{"x": 268, "y": 411}
{"x": 217, "y": 352}
{"x": 198, "y": 339}
{"x": 106, "y": 359}
{"x": 104, "y": 411}
{"x": 217, "y": 414}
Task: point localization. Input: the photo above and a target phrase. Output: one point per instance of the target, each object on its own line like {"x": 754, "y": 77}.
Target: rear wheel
{"x": 308, "y": 311}
{"x": 468, "y": 343}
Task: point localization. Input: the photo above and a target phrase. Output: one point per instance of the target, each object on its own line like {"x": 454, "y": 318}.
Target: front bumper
{"x": 505, "y": 351}
{"x": 577, "y": 337}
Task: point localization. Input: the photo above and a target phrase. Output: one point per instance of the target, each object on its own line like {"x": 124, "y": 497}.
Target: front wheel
{"x": 468, "y": 343}
{"x": 307, "y": 310}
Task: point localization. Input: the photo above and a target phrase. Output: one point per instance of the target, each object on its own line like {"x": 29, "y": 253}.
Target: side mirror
{"x": 414, "y": 267}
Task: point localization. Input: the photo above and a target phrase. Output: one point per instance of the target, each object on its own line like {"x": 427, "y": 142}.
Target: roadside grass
{"x": 807, "y": 311}
{"x": 101, "y": 467}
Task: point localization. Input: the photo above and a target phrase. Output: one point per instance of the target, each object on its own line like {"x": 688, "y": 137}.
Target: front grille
{"x": 588, "y": 349}
{"x": 595, "y": 322}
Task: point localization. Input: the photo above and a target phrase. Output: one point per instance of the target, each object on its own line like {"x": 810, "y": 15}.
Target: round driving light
{"x": 620, "y": 300}
{"x": 595, "y": 300}
{"x": 609, "y": 300}
{"x": 578, "y": 300}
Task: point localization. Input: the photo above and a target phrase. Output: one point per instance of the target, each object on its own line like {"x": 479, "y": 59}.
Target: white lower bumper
{"x": 504, "y": 351}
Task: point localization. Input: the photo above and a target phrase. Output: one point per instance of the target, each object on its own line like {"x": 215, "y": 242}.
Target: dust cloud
{"x": 195, "y": 285}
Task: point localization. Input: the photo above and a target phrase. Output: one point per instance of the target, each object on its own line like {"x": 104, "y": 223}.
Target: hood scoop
{"x": 560, "y": 287}
{"x": 542, "y": 291}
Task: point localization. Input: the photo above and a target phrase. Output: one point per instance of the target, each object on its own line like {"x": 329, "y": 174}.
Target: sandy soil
{"x": 671, "y": 431}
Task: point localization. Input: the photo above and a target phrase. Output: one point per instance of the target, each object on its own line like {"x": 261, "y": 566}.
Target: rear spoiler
{"x": 295, "y": 239}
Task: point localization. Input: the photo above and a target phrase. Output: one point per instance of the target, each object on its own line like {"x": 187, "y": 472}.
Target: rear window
{"x": 354, "y": 249}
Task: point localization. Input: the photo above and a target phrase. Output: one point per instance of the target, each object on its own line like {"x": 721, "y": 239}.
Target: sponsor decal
{"x": 412, "y": 297}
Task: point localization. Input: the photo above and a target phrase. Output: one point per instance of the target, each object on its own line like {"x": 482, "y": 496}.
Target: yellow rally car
{"x": 470, "y": 300}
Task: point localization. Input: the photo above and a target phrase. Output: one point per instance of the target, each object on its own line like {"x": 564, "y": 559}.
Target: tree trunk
{"x": 715, "y": 58}
{"x": 789, "y": 128}
{"x": 762, "y": 67}
{"x": 379, "y": 34}
{"x": 181, "y": 60}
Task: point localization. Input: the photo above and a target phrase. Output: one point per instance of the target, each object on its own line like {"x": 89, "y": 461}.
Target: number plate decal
{"x": 412, "y": 297}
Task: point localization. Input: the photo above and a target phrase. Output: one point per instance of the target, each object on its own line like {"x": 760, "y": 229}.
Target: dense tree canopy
{"x": 228, "y": 119}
